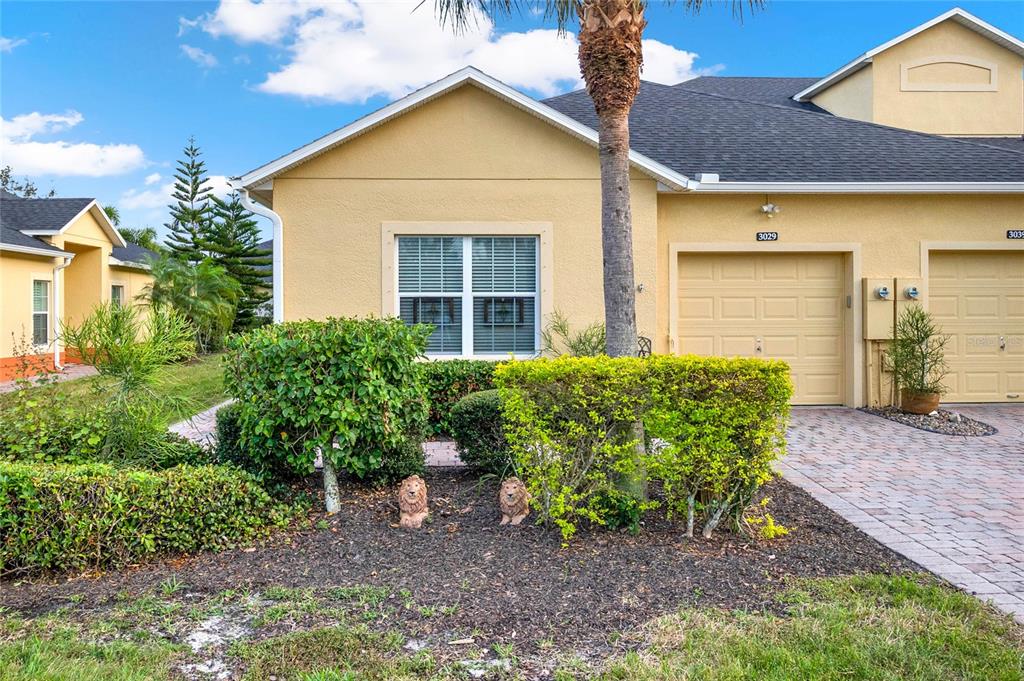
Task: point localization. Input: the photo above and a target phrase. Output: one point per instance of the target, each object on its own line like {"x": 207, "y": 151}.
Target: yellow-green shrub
{"x": 72, "y": 517}
{"x": 713, "y": 426}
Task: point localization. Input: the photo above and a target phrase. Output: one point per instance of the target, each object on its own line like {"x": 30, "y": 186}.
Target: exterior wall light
{"x": 770, "y": 209}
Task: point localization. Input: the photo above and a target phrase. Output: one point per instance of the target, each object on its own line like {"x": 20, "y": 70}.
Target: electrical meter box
{"x": 879, "y": 298}
{"x": 908, "y": 292}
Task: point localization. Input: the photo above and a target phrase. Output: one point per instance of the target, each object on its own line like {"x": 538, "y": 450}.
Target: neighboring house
{"x": 58, "y": 259}
{"x": 766, "y": 217}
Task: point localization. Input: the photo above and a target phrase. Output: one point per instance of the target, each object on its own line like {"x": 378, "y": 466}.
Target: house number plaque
{"x": 1015, "y": 234}
{"x": 767, "y": 236}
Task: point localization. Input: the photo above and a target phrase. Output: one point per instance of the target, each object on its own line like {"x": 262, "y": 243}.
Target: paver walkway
{"x": 954, "y": 505}
{"x": 69, "y": 373}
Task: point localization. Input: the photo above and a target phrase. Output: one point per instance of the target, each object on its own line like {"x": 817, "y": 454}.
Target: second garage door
{"x": 785, "y": 306}
{"x": 978, "y": 299}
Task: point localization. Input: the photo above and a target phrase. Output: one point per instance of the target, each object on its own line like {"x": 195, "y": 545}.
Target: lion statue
{"x": 514, "y": 501}
{"x": 412, "y": 501}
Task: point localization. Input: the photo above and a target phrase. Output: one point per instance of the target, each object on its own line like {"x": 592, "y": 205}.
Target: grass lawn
{"x": 197, "y": 385}
{"x": 867, "y": 627}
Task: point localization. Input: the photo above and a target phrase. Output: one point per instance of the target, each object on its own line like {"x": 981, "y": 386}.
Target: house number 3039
{"x": 767, "y": 236}
{"x": 1015, "y": 234}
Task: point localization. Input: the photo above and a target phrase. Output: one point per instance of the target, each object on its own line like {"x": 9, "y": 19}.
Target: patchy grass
{"x": 199, "y": 384}
{"x": 868, "y": 627}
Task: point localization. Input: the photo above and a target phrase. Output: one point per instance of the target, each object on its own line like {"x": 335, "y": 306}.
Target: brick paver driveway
{"x": 954, "y": 505}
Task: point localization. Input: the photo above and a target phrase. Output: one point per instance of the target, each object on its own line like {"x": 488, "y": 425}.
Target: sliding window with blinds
{"x": 479, "y": 293}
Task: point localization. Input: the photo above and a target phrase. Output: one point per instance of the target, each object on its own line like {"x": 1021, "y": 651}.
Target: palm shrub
{"x": 350, "y": 390}
{"x": 918, "y": 352}
{"x": 204, "y": 293}
{"x": 558, "y": 338}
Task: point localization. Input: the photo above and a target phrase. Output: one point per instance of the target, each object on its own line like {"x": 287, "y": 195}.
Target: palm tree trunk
{"x": 610, "y": 59}
{"x": 617, "y": 235}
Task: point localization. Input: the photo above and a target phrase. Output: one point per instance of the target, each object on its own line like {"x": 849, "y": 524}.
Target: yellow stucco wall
{"x": 17, "y": 271}
{"x": 134, "y": 282}
{"x": 852, "y": 97}
{"x": 467, "y": 156}
{"x": 999, "y": 112}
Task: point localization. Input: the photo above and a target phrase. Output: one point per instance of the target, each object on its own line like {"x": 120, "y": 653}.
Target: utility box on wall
{"x": 879, "y": 298}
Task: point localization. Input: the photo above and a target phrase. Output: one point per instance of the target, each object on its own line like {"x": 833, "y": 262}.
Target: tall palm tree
{"x": 611, "y": 56}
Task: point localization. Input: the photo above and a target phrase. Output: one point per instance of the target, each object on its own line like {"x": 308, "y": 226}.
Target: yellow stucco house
{"x": 58, "y": 259}
{"x": 772, "y": 217}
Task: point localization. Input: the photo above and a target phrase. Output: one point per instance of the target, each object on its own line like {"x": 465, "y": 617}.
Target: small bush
{"x": 69, "y": 517}
{"x": 228, "y": 433}
{"x": 713, "y": 427}
{"x": 477, "y": 429}
{"x": 350, "y": 388}
{"x": 448, "y": 381}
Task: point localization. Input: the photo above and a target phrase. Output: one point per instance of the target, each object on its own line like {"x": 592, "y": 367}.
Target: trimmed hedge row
{"x": 73, "y": 517}
{"x": 448, "y": 381}
{"x": 712, "y": 428}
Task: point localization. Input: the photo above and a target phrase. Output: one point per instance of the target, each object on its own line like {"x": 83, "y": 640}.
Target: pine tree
{"x": 233, "y": 243}
{"x": 191, "y": 211}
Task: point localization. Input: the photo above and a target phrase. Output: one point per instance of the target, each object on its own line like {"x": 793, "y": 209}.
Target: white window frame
{"x": 467, "y": 295}
{"x": 124, "y": 289}
{"x": 47, "y": 313}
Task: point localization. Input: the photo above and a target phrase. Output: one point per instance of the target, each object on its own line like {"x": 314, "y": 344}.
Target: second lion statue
{"x": 412, "y": 502}
{"x": 514, "y": 501}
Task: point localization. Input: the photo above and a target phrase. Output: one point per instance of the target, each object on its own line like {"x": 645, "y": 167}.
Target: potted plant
{"x": 918, "y": 357}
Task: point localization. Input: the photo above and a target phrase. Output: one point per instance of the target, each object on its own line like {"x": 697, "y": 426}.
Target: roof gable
{"x": 49, "y": 217}
{"x": 468, "y": 76}
{"x": 956, "y": 14}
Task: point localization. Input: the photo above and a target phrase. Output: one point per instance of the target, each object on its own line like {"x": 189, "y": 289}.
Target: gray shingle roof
{"x": 133, "y": 253}
{"x": 764, "y": 90}
{"x": 745, "y": 141}
{"x": 1012, "y": 143}
{"x": 13, "y": 237}
{"x": 39, "y": 214}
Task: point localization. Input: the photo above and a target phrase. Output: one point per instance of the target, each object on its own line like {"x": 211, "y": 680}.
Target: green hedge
{"x": 477, "y": 429}
{"x": 713, "y": 426}
{"x": 351, "y": 388}
{"x": 448, "y": 381}
{"x": 73, "y": 517}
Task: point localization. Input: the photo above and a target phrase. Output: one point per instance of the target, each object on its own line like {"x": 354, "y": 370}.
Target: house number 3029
{"x": 767, "y": 236}
{"x": 1015, "y": 234}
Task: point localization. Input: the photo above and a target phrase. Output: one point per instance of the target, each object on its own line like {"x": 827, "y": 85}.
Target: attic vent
{"x": 707, "y": 177}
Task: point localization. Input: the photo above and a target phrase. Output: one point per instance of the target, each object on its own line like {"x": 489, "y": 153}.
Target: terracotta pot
{"x": 919, "y": 403}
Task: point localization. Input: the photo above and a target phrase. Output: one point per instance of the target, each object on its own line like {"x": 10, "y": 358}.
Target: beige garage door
{"x": 785, "y": 306}
{"x": 978, "y": 298}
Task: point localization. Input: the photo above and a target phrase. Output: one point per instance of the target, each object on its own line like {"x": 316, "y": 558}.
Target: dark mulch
{"x": 511, "y": 583}
{"x": 945, "y": 422}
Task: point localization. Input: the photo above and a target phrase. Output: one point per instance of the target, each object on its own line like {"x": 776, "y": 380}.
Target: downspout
{"x": 278, "y": 245}
{"x": 58, "y": 300}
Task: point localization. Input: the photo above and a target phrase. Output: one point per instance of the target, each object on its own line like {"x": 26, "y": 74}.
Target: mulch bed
{"x": 945, "y": 422}
{"x": 510, "y": 584}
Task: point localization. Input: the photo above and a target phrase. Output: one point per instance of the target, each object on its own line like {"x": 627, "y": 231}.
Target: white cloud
{"x": 199, "y": 56}
{"x": 8, "y": 44}
{"x": 160, "y": 197}
{"x": 19, "y": 149}
{"x": 352, "y": 50}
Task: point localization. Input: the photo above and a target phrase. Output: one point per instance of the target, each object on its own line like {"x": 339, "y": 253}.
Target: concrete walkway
{"x": 954, "y": 505}
{"x": 69, "y": 373}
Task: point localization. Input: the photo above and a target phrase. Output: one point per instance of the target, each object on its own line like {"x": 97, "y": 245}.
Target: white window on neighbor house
{"x": 478, "y": 292}
{"x": 40, "y": 312}
{"x": 117, "y": 294}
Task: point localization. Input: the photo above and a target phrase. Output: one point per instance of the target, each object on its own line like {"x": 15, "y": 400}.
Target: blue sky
{"x": 98, "y": 98}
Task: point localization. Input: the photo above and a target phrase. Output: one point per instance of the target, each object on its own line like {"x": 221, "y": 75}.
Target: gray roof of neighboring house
{"x": 744, "y": 141}
{"x": 1012, "y": 143}
{"x": 39, "y": 214}
{"x": 133, "y": 253}
{"x": 15, "y": 238}
{"x": 764, "y": 90}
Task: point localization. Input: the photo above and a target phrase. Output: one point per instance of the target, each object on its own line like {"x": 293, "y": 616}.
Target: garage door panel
{"x": 793, "y": 303}
{"x": 697, "y": 308}
{"x": 978, "y": 300}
